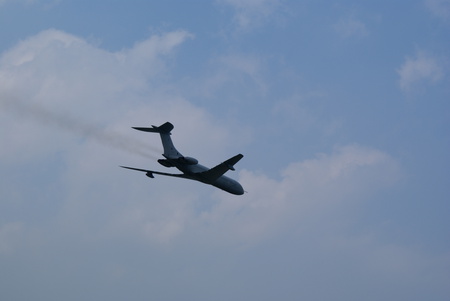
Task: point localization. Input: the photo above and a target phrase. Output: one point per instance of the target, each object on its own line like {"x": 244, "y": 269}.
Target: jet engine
{"x": 165, "y": 163}
{"x": 189, "y": 160}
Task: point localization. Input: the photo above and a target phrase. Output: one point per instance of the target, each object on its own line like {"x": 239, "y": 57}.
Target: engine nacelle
{"x": 165, "y": 163}
{"x": 189, "y": 160}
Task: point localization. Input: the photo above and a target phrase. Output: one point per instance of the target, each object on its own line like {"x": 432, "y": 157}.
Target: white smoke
{"x": 63, "y": 121}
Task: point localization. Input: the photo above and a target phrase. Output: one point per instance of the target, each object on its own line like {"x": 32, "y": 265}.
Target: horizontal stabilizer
{"x": 166, "y": 128}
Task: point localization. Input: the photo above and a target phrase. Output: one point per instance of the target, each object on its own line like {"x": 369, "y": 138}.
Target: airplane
{"x": 189, "y": 166}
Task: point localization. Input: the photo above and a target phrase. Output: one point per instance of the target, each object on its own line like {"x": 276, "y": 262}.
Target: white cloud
{"x": 307, "y": 192}
{"x": 419, "y": 69}
{"x": 62, "y": 81}
{"x": 65, "y": 98}
{"x": 92, "y": 215}
{"x": 324, "y": 188}
{"x": 440, "y": 8}
{"x": 234, "y": 70}
{"x": 250, "y": 14}
{"x": 351, "y": 27}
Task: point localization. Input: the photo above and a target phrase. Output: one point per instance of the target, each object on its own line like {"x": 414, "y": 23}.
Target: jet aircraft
{"x": 189, "y": 166}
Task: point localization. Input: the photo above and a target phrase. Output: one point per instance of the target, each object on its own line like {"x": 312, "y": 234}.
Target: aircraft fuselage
{"x": 223, "y": 182}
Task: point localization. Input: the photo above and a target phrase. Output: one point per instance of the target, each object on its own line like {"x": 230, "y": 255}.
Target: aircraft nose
{"x": 238, "y": 189}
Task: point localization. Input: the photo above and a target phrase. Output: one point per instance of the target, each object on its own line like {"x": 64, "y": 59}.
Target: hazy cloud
{"x": 54, "y": 73}
{"x": 234, "y": 70}
{"x": 60, "y": 81}
{"x": 419, "y": 69}
{"x": 252, "y": 13}
{"x": 79, "y": 220}
{"x": 440, "y": 8}
{"x": 307, "y": 191}
{"x": 351, "y": 27}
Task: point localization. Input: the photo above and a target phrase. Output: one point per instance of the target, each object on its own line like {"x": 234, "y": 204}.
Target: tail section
{"x": 166, "y": 128}
{"x": 164, "y": 131}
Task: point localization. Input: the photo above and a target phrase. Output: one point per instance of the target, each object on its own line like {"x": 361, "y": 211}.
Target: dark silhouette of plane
{"x": 189, "y": 166}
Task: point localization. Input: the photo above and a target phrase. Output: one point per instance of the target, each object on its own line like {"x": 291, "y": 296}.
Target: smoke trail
{"x": 42, "y": 115}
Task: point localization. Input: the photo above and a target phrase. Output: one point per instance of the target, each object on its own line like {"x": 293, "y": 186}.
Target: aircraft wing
{"x": 151, "y": 172}
{"x": 217, "y": 171}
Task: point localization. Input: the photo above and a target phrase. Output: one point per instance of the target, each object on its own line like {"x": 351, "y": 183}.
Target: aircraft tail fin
{"x": 164, "y": 131}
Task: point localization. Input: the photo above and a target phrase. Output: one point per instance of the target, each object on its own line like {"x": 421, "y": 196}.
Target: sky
{"x": 341, "y": 109}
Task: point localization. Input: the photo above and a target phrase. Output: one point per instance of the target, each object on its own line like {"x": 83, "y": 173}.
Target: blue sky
{"x": 341, "y": 109}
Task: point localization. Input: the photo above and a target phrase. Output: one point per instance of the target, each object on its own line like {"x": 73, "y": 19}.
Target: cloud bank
{"x": 82, "y": 220}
